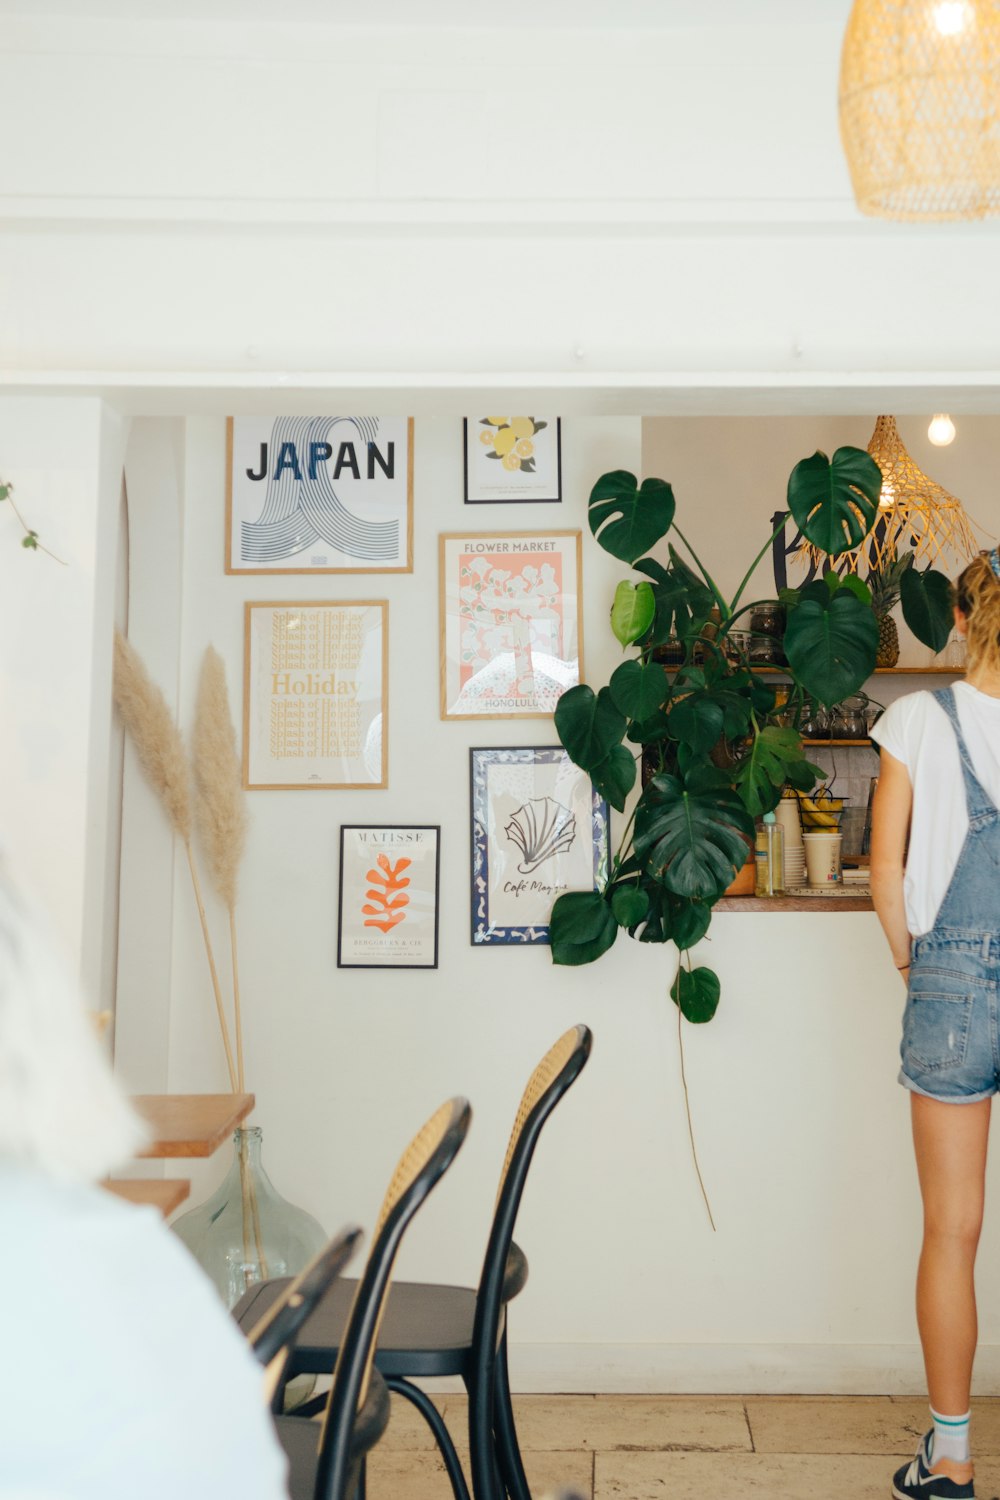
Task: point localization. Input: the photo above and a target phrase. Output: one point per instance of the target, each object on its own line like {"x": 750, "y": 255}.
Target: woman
{"x": 122, "y": 1375}
{"x": 939, "y": 904}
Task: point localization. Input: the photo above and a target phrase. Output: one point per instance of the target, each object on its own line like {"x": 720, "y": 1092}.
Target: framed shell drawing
{"x": 538, "y": 828}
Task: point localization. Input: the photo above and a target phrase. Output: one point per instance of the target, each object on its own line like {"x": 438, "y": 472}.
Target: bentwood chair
{"x": 273, "y": 1337}
{"x": 431, "y": 1330}
{"x": 327, "y": 1460}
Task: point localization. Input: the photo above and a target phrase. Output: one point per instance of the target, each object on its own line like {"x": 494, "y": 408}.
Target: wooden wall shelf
{"x": 190, "y": 1124}
{"x": 849, "y": 901}
{"x": 165, "y": 1193}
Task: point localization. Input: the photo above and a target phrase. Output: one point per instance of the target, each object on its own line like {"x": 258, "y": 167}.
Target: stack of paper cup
{"x": 787, "y": 814}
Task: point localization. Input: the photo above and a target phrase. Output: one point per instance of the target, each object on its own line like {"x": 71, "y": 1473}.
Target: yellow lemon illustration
{"x": 522, "y": 427}
{"x": 504, "y": 441}
{"x": 524, "y": 449}
{"x": 486, "y": 437}
{"x": 498, "y": 421}
{"x": 511, "y": 461}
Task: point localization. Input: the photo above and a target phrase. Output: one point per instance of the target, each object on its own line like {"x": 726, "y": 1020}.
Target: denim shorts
{"x": 951, "y": 1047}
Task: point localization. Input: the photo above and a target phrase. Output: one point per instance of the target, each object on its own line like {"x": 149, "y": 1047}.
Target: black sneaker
{"x": 914, "y": 1481}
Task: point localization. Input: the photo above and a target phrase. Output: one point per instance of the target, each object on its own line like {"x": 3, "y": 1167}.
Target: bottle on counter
{"x": 770, "y": 858}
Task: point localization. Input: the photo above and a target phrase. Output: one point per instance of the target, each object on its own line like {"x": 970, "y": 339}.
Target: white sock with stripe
{"x": 951, "y": 1438}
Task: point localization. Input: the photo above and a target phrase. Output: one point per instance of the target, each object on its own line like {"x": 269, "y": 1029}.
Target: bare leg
{"x": 950, "y": 1144}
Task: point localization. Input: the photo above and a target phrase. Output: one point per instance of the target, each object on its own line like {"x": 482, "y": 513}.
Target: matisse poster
{"x": 389, "y": 878}
{"x": 319, "y": 495}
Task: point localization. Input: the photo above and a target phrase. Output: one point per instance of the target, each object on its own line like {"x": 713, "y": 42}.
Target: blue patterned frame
{"x": 535, "y": 755}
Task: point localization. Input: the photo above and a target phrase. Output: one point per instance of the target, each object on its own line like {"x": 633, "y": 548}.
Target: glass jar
{"x": 767, "y": 629}
{"x": 246, "y": 1231}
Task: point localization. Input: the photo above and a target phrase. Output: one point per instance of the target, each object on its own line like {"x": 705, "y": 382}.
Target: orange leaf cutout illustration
{"x": 389, "y": 901}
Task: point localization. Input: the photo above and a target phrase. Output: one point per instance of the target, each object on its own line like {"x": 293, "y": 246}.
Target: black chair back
{"x": 505, "y": 1268}
{"x": 426, "y": 1159}
{"x": 273, "y": 1338}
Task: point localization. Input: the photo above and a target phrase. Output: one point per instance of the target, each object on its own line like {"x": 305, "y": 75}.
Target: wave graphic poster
{"x": 319, "y": 495}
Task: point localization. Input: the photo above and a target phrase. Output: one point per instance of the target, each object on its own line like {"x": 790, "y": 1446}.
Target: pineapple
{"x": 885, "y": 583}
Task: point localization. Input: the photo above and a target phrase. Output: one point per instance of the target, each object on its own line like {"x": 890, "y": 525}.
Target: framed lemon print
{"x": 513, "y": 460}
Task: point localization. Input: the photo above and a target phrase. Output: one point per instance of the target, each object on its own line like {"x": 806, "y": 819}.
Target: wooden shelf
{"x": 190, "y": 1124}
{"x": 865, "y": 743}
{"x": 925, "y": 671}
{"x": 164, "y": 1194}
{"x": 849, "y": 901}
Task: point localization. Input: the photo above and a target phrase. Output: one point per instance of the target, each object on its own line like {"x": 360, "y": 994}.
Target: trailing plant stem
{"x": 211, "y": 965}
{"x": 687, "y": 1109}
{"x": 723, "y": 606}
{"x": 36, "y": 545}
{"x": 756, "y": 563}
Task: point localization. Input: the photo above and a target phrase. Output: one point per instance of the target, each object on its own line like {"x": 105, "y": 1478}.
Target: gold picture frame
{"x": 510, "y": 635}
{"x": 315, "y": 695}
{"x": 276, "y": 536}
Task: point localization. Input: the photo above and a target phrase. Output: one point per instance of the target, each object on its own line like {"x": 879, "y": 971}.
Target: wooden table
{"x": 166, "y": 1194}
{"x": 190, "y": 1124}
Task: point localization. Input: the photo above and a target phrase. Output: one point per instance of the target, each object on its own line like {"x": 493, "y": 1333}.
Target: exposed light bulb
{"x": 951, "y": 17}
{"x": 941, "y": 430}
{"x": 887, "y": 496}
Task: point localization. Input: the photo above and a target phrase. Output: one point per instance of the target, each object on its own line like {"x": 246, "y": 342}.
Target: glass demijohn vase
{"x": 246, "y": 1232}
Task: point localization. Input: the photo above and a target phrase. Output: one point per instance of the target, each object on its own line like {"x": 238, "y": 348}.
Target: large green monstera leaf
{"x": 831, "y": 642}
{"x": 692, "y": 835}
{"x": 927, "y": 606}
{"x": 835, "y": 502}
{"x": 628, "y": 519}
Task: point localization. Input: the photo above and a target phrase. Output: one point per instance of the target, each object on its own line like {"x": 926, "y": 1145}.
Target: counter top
{"x": 848, "y": 898}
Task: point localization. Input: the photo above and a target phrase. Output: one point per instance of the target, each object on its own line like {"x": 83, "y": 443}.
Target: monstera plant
{"x": 715, "y": 744}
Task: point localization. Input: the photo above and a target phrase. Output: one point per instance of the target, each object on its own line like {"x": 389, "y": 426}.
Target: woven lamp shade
{"x": 920, "y": 108}
{"x": 915, "y": 513}
{"x": 919, "y": 514}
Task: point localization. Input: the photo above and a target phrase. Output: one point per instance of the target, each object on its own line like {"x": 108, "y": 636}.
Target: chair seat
{"x": 300, "y": 1439}
{"x": 426, "y": 1328}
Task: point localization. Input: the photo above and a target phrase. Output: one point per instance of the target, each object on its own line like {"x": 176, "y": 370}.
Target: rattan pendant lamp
{"x": 917, "y": 513}
{"x": 920, "y": 108}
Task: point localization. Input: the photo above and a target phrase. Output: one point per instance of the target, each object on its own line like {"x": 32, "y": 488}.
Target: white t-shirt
{"x": 122, "y": 1374}
{"x": 916, "y": 730}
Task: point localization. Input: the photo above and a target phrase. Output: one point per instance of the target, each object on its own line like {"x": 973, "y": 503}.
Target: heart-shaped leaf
{"x": 628, "y": 520}
{"x": 588, "y": 725}
{"x": 630, "y": 905}
{"x": 633, "y": 611}
{"x": 614, "y": 777}
{"x": 835, "y": 503}
{"x": 691, "y": 922}
{"x": 581, "y": 927}
{"x": 639, "y": 689}
{"x": 831, "y": 641}
{"x": 692, "y": 841}
{"x": 927, "y": 606}
{"x": 697, "y": 721}
{"x": 697, "y": 992}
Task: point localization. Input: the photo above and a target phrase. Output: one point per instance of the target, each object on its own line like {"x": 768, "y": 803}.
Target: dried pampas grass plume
{"x": 156, "y": 738}
{"x": 161, "y": 754}
{"x": 220, "y": 806}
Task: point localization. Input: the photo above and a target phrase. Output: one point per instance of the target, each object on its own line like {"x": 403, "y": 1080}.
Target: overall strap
{"x": 976, "y": 797}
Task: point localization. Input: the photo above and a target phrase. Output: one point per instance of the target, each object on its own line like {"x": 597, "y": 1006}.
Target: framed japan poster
{"x": 319, "y": 495}
{"x": 511, "y": 622}
{"x": 538, "y": 828}
{"x": 315, "y": 713}
{"x": 388, "y": 913}
{"x": 513, "y": 460}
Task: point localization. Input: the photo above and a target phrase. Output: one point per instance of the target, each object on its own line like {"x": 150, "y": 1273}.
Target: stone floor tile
{"x": 704, "y": 1424}
{"x": 985, "y": 1427}
{"x": 740, "y": 1476}
{"x": 421, "y": 1476}
{"x": 407, "y": 1431}
{"x": 803, "y": 1424}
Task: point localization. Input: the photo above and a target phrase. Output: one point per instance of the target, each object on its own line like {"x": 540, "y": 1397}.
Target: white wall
{"x": 64, "y": 458}
{"x": 802, "y": 1129}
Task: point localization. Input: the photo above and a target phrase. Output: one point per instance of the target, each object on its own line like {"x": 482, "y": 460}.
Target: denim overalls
{"x": 951, "y": 1048}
